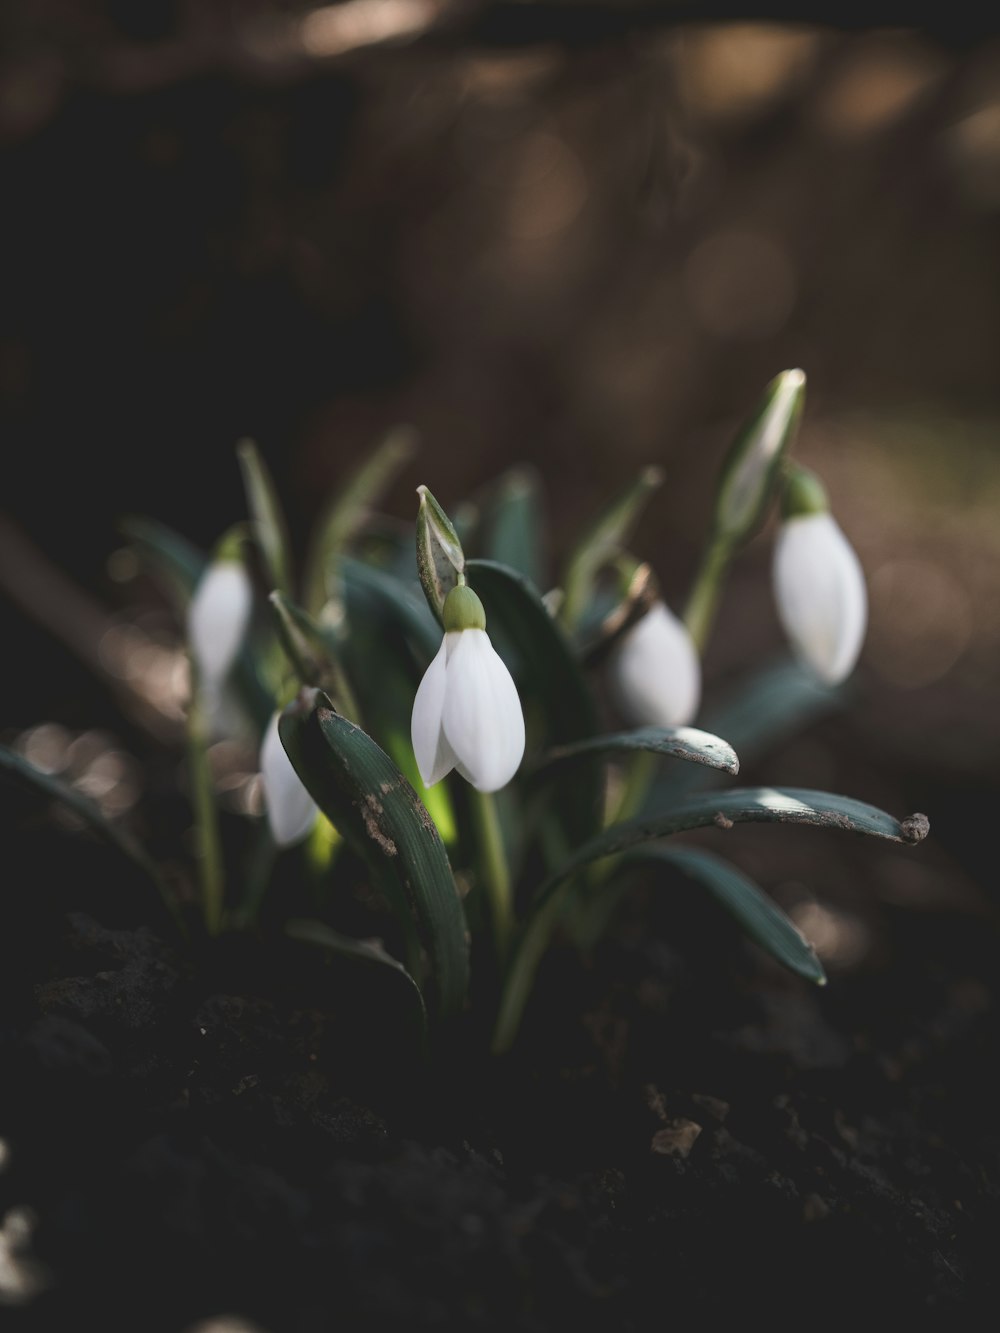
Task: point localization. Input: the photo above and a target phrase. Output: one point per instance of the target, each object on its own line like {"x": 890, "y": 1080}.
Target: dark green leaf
{"x": 761, "y": 918}
{"x": 700, "y": 747}
{"x": 348, "y": 512}
{"x": 266, "y": 513}
{"x": 514, "y": 523}
{"x": 749, "y": 805}
{"x": 363, "y": 793}
{"x": 17, "y": 769}
{"x": 602, "y": 541}
{"x": 366, "y": 953}
{"x": 370, "y": 589}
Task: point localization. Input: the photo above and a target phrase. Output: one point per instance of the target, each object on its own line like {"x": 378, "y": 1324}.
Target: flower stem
{"x": 207, "y": 844}
{"x": 496, "y": 871}
{"x": 699, "y": 613}
{"x": 524, "y": 966}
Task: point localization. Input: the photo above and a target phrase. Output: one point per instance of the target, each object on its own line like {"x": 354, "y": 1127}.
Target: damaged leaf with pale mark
{"x": 367, "y": 798}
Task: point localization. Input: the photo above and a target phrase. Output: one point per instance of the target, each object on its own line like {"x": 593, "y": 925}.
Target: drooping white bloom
{"x": 467, "y": 714}
{"x": 217, "y": 620}
{"x": 291, "y": 811}
{"x": 819, "y": 588}
{"x": 655, "y": 671}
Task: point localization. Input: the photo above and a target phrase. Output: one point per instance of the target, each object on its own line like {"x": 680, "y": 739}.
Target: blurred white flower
{"x": 819, "y": 588}
{"x": 655, "y": 671}
{"x": 291, "y": 811}
{"x": 217, "y": 621}
{"x": 467, "y": 714}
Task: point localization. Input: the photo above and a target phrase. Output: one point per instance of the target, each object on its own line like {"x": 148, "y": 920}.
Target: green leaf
{"x": 548, "y": 676}
{"x": 366, "y": 953}
{"x": 748, "y": 805}
{"x": 178, "y": 564}
{"x": 18, "y": 770}
{"x": 267, "y": 516}
{"x": 314, "y": 651}
{"x": 440, "y": 558}
{"x": 371, "y": 590}
{"x": 700, "y": 747}
{"x": 545, "y": 658}
{"x": 176, "y": 561}
{"x": 514, "y": 523}
{"x": 349, "y": 511}
{"x": 761, "y": 918}
{"x": 367, "y": 798}
{"x": 602, "y": 541}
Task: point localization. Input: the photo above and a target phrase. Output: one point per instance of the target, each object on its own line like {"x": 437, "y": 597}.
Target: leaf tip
{"x": 914, "y": 828}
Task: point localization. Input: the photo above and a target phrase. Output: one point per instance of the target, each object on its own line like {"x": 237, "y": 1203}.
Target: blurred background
{"x": 581, "y": 236}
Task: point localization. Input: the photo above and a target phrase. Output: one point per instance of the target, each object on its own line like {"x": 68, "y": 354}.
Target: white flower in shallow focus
{"x": 819, "y": 585}
{"x": 291, "y": 811}
{"x": 217, "y": 620}
{"x": 467, "y": 714}
{"x": 655, "y": 671}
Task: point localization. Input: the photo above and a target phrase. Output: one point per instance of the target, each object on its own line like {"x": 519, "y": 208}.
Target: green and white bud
{"x": 440, "y": 558}
{"x": 819, "y": 586}
{"x": 219, "y": 614}
{"x": 751, "y": 471}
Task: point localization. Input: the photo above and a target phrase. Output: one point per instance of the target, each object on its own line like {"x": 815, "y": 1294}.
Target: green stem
{"x": 521, "y": 976}
{"x": 704, "y": 598}
{"x": 496, "y": 872}
{"x": 208, "y": 848}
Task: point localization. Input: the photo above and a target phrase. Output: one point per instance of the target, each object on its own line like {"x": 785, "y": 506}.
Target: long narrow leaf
{"x": 549, "y": 675}
{"x": 18, "y": 770}
{"x": 366, "y": 953}
{"x": 348, "y": 512}
{"x": 363, "y": 793}
{"x": 749, "y": 805}
{"x": 699, "y": 747}
{"x": 761, "y": 918}
{"x": 514, "y": 523}
{"x": 268, "y": 518}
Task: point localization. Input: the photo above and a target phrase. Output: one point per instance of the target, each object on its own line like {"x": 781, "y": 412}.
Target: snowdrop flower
{"x": 819, "y": 585}
{"x": 217, "y": 621}
{"x": 466, "y": 713}
{"x": 291, "y": 811}
{"x": 655, "y": 671}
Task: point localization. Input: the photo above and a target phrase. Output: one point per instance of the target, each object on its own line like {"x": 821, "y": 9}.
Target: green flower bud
{"x": 440, "y": 558}
{"x": 751, "y": 471}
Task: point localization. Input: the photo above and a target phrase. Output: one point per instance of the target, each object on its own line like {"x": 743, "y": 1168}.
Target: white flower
{"x": 655, "y": 671}
{"x": 291, "y": 811}
{"x": 819, "y": 588}
{"x": 217, "y": 621}
{"x": 466, "y": 713}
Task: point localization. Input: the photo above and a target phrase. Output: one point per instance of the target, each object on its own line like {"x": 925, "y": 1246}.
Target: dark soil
{"x": 683, "y": 1132}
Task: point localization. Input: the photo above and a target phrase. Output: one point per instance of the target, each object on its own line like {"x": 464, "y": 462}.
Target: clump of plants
{"x": 487, "y": 749}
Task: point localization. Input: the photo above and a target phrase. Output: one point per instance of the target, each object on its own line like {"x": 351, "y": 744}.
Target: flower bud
{"x": 819, "y": 586}
{"x": 750, "y": 472}
{"x": 440, "y": 558}
{"x": 218, "y": 617}
{"x": 655, "y": 671}
{"x": 291, "y": 811}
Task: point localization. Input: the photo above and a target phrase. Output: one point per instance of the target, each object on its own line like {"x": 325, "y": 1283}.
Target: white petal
{"x": 656, "y": 672}
{"x": 819, "y": 588}
{"x": 217, "y": 620}
{"x": 430, "y": 746}
{"x": 291, "y": 811}
{"x": 482, "y": 713}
